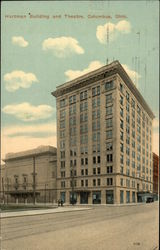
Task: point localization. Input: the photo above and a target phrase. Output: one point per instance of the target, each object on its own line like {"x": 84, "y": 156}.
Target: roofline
{"x": 112, "y": 68}
{"x": 30, "y": 153}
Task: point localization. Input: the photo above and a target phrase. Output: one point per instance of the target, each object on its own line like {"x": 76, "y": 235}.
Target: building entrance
{"x": 109, "y": 197}
{"x": 96, "y": 197}
{"x": 84, "y": 197}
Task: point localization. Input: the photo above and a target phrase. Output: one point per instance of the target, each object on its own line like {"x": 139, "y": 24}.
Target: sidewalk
{"x": 42, "y": 211}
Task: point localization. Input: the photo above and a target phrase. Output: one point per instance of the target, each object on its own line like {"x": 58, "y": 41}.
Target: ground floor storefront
{"x": 101, "y": 196}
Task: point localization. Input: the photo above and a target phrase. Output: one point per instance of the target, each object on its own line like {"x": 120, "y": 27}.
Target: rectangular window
{"x": 121, "y": 100}
{"x": 121, "y": 87}
{"x": 133, "y": 103}
{"x": 121, "y": 124}
{"x": 121, "y": 147}
{"x": 109, "y": 123}
{"x": 121, "y": 180}
{"x": 83, "y": 106}
{"x": 109, "y": 85}
{"x": 127, "y": 96}
{"x": 121, "y": 159}
{"x": 109, "y": 110}
{"x": 72, "y": 109}
{"x": 109, "y": 146}
{"x": 98, "y": 182}
{"x": 109, "y": 181}
{"x": 108, "y": 134}
{"x": 62, "y": 124}
{"x": 121, "y": 135}
{"x": 96, "y": 91}
{"x": 62, "y": 103}
{"x": 72, "y": 99}
{"x": 62, "y": 114}
{"x": 109, "y": 169}
{"x": 109, "y": 158}
{"x": 62, "y": 184}
{"x": 86, "y": 183}
{"x": 83, "y": 95}
{"x": 121, "y": 112}
{"x": 108, "y": 98}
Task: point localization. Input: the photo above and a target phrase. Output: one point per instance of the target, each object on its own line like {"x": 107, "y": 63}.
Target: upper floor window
{"x": 109, "y": 146}
{"x": 121, "y": 100}
{"x": 127, "y": 96}
{"x": 84, "y": 117}
{"x": 109, "y": 123}
{"x": 62, "y": 114}
{"x": 96, "y": 102}
{"x": 72, "y": 99}
{"x": 121, "y": 87}
{"x": 62, "y": 103}
{"x": 109, "y": 110}
{"x": 138, "y": 110}
{"x": 108, "y": 134}
{"x": 133, "y": 103}
{"x": 108, "y": 98}
{"x": 72, "y": 109}
{"x": 83, "y": 106}
{"x": 96, "y": 91}
{"x": 109, "y": 85}
{"x": 127, "y": 106}
{"x": 83, "y": 95}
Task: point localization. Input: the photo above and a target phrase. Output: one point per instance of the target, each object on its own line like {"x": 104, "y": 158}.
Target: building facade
{"x": 104, "y": 139}
{"x": 155, "y": 173}
{"x": 30, "y": 176}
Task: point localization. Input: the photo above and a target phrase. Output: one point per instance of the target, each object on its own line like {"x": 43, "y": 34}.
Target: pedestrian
{"x": 61, "y": 203}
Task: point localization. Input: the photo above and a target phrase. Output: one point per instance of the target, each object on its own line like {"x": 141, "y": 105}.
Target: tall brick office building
{"x": 155, "y": 173}
{"x": 104, "y": 138}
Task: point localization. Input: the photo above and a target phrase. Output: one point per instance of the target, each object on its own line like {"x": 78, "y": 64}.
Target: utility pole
{"x": 34, "y": 182}
{"x": 7, "y": 188}
{"x": 72, "y": 201}
{"x": 3, "y": 190}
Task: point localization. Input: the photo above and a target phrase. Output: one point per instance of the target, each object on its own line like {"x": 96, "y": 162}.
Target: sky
{"x": 46, "y": 43}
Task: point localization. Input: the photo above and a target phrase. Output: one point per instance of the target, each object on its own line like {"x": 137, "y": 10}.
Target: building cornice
{"x": 101, "y": 74}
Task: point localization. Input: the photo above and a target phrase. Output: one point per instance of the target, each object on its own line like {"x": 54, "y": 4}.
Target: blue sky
{"x": 38, "y": 54}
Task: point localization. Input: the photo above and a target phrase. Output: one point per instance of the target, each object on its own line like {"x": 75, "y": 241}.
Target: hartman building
{"x": 104, "y": 139}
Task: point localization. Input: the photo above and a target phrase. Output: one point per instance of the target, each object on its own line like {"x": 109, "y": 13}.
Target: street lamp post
{"x": 34, "y": 182}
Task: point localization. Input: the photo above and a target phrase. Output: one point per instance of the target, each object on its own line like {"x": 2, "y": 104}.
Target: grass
{"x": 21, "y": 207}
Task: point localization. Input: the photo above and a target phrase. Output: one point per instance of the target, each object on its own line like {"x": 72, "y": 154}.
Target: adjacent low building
{"x": 30, "y": 176}
{"x": 104, "y": 139}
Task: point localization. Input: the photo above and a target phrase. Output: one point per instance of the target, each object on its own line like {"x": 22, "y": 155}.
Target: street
{"x": 101, "y": 228}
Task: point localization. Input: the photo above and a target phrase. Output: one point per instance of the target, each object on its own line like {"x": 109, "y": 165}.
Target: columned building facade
{"x": 104, "y": 139}
{"x": 30, "y": 176}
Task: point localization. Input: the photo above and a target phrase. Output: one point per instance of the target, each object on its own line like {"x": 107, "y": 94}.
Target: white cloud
{"x": 62, "y": 46}
{"x": 48, "y": 128}
{"x": 19, "y": 79}
{"x": 27, "y": 112}
{"x": 71, "y": 74}
{"x": 23, "y": 137}
{"x": 111, "y": 31}
{"x": 19, "y": 40}
{"x": 132, "y": 74}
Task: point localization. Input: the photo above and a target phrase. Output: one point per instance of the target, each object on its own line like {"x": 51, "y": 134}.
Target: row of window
{"x": 95, "y": 182}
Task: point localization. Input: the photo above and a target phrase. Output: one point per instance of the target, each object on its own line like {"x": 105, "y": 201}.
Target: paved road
{"x": 101, "y": 228}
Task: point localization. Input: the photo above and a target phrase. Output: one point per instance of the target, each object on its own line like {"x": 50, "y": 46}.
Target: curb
{"x": 41, "y": 213}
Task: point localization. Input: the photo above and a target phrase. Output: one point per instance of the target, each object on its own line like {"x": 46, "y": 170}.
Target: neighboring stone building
{"x": 104, "y": 138}
{"x": 21, "y": 169}
{"x": 155, "y": 173}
